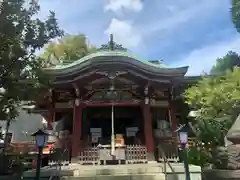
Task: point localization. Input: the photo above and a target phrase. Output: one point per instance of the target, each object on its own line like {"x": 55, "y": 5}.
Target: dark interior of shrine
{"x": 100, "y": 117}
{"x": 124, "y": 117}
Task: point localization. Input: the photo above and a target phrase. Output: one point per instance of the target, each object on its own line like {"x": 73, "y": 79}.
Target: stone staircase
{"x": 150, "y": 171}
{"x": 119, "y": 177}
{"x": 108, "y": 172}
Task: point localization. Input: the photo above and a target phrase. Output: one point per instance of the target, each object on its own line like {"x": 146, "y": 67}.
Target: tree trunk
{"x": 6, "y": 136}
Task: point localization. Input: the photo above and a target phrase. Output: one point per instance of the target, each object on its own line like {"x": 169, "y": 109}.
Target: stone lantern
{"x": 231, "y": 171}
{"x": 233, "y": 149}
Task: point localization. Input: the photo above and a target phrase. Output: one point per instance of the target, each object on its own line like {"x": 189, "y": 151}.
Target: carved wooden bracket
{"x": 111, "y": 75}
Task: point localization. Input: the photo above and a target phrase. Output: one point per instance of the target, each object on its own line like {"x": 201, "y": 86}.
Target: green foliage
{"x": 209, "y": 137}
{"x": 69, "y": 48}
{"x": 198, "y": 156}
{"x": 217, "y": 100}
{"x": 211, "y": 132}
{"x": 225, "y": 63}
{"x": 21, "y": 35}
{"x": 216, "y": 97}
{"x": 236, "y": 14}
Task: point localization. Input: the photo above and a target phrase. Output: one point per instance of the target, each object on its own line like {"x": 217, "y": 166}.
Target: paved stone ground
{"x": 150, "y": 171}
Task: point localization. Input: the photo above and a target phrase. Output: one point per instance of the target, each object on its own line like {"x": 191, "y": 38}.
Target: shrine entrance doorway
{"x": 128, "y": 123}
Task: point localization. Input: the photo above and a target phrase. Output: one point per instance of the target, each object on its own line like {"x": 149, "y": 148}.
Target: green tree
{"x": 236, "y": 14}
{"x": 21, "y": 34}
{"x": 217, "y": 100}
{"x": 216, "y": 96}
{"x": 69, "y": 48}
{"x": 225, "y": 63}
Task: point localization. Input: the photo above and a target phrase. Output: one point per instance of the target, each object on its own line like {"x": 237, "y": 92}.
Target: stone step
{"x": 93, "y": 171}
{"x": 118, "y": 171}
{"x": 79, "y": 170}
{"x": 125, "y": 172}
{"x": 159, "y": 176}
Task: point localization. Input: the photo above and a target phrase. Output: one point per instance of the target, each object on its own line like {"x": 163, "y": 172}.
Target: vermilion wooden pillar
{"x": 172, "y": 117}
{"x": 77, "y": 128}
{"x": 172, "y": 111}
{"x": 148, "y": 130}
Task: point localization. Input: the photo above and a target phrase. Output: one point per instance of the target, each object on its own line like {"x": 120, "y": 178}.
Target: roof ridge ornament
{"x": 111, "y": 45}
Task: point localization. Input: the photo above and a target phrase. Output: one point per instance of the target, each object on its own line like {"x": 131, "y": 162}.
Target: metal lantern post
{"x": 183, "y": 138}
{"x": 41, "y": 139}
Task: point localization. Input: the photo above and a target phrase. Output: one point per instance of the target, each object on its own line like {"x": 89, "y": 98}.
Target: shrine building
{"x": 113, "y": 98}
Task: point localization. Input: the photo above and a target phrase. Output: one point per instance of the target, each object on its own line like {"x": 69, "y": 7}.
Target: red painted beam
{"x": 118, "y": 104}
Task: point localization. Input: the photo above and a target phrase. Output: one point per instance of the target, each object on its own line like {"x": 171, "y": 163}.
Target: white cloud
{"x": 120, "y": 5}
{"x": 166, "y": 21}
{"x": 201, "y": 60}
{"x": 162, "y": 19}
{"x": 124, "y": 33}
{"x": 178, "y": 14}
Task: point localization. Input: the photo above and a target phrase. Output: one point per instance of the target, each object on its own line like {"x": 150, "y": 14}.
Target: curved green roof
{"x": 70, "y": 63}
{"x": 117, "y": 56}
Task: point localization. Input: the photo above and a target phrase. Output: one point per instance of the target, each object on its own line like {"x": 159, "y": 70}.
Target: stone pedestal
{"x": 211, "y": 174}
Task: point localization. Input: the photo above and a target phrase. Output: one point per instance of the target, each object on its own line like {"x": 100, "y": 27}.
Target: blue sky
{"x": 181, "y": 32}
